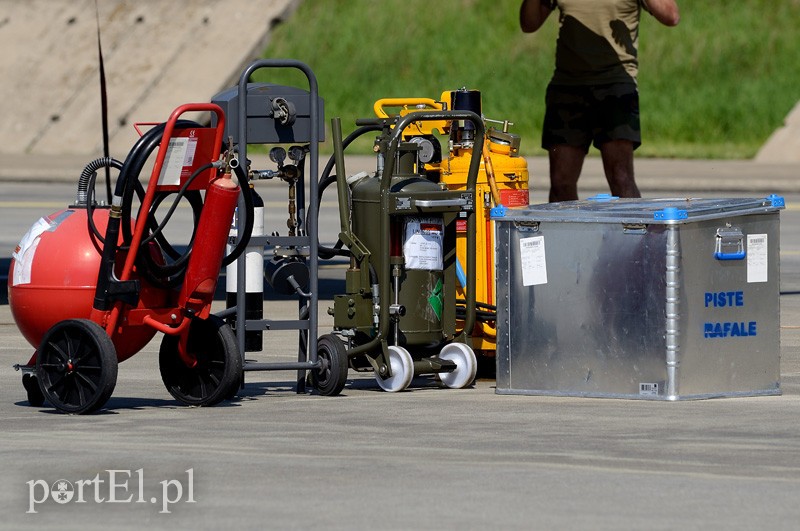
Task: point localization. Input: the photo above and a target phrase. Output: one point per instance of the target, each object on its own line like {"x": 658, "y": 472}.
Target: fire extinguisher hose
{"x": 128, "y": 184}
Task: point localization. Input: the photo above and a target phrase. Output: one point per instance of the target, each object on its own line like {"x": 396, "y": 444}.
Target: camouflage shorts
{"x": 579, "y": 116}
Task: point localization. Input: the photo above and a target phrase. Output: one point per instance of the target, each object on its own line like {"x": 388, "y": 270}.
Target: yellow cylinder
{"x": 505, "y": 181}
{"x": 511, "y": 186}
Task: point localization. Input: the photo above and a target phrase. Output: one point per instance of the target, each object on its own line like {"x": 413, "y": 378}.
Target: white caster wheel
{"x": 466, "y": 365}
{"x": 402, "y": 367}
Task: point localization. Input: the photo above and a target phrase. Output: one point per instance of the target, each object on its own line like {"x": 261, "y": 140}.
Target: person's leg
{"x": 617, "y": 135}
{"x": 566, "y": 135}
{"x": 566, "y": 163}
{"x": 617, "y": 158}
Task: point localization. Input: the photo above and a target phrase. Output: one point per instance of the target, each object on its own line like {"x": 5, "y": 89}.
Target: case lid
{"x": 667, "y": 211}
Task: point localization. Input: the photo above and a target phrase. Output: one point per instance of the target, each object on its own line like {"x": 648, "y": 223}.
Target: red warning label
{"x": 514, "y": 198}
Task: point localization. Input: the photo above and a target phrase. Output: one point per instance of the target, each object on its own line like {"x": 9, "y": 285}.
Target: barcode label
{"x": 757, "y": 260}
{"x": 649, "y": 389}
{"x": 533, "y": 262}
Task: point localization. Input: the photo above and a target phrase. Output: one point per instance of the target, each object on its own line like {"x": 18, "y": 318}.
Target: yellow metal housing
{"x": 503, "y": 179}
{"x": 511, "y": 183}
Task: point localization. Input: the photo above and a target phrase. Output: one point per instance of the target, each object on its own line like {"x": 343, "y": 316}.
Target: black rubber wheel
{"x": 331, "y": 377}
{"x": 76, "y": 366}
{"x": 31, "y": 385}
{"x": 218, "y": 372}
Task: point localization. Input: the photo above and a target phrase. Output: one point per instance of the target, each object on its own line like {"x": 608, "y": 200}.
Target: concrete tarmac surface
{"x": 425, "y": 458}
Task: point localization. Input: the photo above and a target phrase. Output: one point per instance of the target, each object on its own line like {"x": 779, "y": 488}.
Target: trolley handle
{"x": 729, "y": 244}
{"x": 430, "y": 203}
{"x": 472, "y": 178}
{"x": 426, "y": 116}
{"x": 428, "y": 103}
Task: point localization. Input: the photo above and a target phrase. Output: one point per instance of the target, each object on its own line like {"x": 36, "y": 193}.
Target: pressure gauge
{"x": 297, "y": 153}
{"x": 426, "y": 149}
{"x": 277, "y": 155}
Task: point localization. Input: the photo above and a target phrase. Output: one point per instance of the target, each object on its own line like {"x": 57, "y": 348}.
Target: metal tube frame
{"x": 308, "y": 325}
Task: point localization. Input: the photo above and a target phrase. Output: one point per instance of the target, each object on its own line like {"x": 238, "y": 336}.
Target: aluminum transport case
{"x": 664, "y": 299}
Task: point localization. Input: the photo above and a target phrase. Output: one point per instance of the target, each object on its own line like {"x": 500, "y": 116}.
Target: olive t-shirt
{"x": 597, "y": 42}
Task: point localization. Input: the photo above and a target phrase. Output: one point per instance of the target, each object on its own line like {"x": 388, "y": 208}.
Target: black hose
{"x": 129, "y": 184}
{"x": 484, "y": 312}
{"x": 85, "y": 192}
{"x": 326, "y": 179}
{"x": 133, "y": 167}
{"x": 195, "y": 201}
{"x": 482, "y": 305}
{"x": 150, "y": 265}
{"x": 86, "y": 176}
{"x": 163, "y": 274}
{"x": 480, "y": 315}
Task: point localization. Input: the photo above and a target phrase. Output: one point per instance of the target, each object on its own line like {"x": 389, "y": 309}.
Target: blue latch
{"x": 670, "y": 214}
{"x": 602, "y": 198}
{"x": 776, "y": 201}
{"x": 498, "y": 212}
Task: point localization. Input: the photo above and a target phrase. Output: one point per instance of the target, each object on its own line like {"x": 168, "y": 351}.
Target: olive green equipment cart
{"x": 398, "y": 315}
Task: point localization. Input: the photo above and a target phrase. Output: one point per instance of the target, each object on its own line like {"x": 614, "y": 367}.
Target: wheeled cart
{"x": 398, "y": 314}
{"x": 287, "y": 120}
{"x": 90, "y": 286}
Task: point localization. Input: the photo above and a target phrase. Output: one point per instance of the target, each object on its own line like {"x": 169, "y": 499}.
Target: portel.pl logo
{"x": 112, "y": 486}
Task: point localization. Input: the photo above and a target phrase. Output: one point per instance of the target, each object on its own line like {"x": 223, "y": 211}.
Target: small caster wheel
{"x": 466, "y": 365}
{"x": 76, "y": 366}
{"x": 218, "y": 372}
{"x": 331, "y": 377}
{"x": 402, "y": 367}
{"x": 31, "y": 385}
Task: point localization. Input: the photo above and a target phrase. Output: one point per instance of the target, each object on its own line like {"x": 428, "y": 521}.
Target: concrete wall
{"x": 158, "y": 54}
{"x": 784, "y": 144}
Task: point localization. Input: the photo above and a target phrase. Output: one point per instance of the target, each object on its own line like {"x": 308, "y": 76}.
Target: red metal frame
{"x": 172, "y": 320}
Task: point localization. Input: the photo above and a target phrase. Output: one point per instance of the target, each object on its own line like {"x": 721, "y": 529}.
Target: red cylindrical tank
{"x": 53, "y": 276}
{"x": 202, "y": 273}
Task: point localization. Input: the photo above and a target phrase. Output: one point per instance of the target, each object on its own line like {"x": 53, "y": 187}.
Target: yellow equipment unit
{"x": 502, "y": 180}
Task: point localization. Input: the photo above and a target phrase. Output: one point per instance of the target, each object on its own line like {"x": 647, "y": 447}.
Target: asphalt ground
{"x": 425, "y": 458}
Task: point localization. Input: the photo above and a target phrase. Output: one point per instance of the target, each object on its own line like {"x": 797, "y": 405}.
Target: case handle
{"x": 729, "y": 244}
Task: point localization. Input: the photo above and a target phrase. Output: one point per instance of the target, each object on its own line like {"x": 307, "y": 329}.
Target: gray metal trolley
{"x": 265, "y": 113}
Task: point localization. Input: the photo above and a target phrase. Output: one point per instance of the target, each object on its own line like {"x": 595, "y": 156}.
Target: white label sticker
{"x": 191, "y": 147}
{"x": 422, "y": 248}
{"x": 177, "y": 152}
{"x": 757, "y": 270}
{"x": 26, "y": 250}
{"x": 534, "y": 266}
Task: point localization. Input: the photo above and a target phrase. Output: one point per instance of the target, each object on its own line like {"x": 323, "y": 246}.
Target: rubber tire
{"x": 402, "y": 370}
{"x": 331, "y": 377}
{"x": 466, "y": 365}
{"x": 91, "y": 381}
{"x": 218, "y": 372}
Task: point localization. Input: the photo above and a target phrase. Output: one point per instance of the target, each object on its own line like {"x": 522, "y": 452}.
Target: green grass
{"x": 717, "y": 85}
